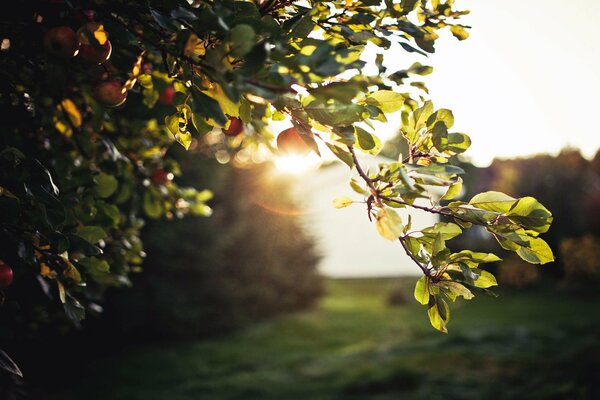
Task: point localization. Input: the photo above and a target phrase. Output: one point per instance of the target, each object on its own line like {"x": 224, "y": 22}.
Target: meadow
{"x": 532, "y": 344}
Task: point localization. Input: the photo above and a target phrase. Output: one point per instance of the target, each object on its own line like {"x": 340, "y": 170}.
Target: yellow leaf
{"x": 230, "y": 108}
{"x": 72, "y": 273}
{"x": 422, "y": 290}
{"x": 45, "y": 271}
{"x": 389, "y": 224}
{"x": 342, "y": 202}
{"x": 72, "y": 111}
{"x": 100, "y": 34}
{"x": 61, "y": 292}
{"x": 194, "y": 47}
{"x": 63, "y": 128}
{"x": 485, "y": 280}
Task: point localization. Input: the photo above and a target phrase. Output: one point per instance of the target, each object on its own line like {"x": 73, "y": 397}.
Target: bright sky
{"x": 526, "y": 81}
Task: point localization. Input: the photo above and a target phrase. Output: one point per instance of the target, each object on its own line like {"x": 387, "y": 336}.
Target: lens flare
{"x": 297, "y": 164}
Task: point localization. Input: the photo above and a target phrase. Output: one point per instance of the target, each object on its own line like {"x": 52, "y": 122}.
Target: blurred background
{"x": 280, "y": 296}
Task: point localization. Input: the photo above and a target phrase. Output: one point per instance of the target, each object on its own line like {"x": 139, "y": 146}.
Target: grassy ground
{"x": 525, "y": 345}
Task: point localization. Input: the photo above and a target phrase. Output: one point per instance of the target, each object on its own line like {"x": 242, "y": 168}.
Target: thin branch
{"x": 425, "y": 270}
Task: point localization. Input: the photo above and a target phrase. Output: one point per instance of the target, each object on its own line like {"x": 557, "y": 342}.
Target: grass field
{"x": 522, "y": 345}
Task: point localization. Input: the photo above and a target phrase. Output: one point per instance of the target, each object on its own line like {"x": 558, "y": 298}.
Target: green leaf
{"x": 453, "y": 190}
{"x": 438, "y": 244}
{"x": 439, "y": 136}
{"x": 443, "y": 171}
{"x": 538, "y": 252}
{"x": 455, "y": 290}
{"x": 342, "y": 91}
{"x": 95, "y": 266}
{"x": 485, "y": 280}
{"x": 342, "y": 202}
{"x": 200, "y": 124}
{"x": 153, "y": 206}
{"x": 441, "y": 115}
{"x": 111, "y": 212}
{"x": 387, "y": 100}
{"x": 207, "y": 107}
{"x": 457, "y": 143}
{"x": 414, "y": 247}
{"x": 421, "y": 115}
{"x": 475, "y": 257}
{"x": 389, "y": 224}
{"x": 422, "y": 290}
{"x": 439, "y": 314}
{"x": 91, "y": 234}
{"x": 357, "y": 188}
{"x": 343, "y": 155}
{"x": 243, "y": 39}
{"x": 529, "y": 213}
{"x": 474, "y": 215}
{"x": 493, "y": 201}
{"x": 447, "y": 230}
{"x": 105, "y": 185}
{"x": 367, "y": 142}
{"x": 334, "y": 113}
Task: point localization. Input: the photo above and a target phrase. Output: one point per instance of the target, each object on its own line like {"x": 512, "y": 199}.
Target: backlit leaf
{"x": 389, "y": 224}
{"x": 485, "y": 280}
{"x": 387, "y": 100}
{"x": 342, "y": 202}
{"x": 453, "y": 190}
{"x": 422, "y": 290}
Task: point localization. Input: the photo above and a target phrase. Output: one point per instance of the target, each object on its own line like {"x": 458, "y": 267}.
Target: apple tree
{"x": 94, "y": 92}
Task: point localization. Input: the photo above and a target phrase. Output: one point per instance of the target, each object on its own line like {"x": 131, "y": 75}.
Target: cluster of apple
{"x": 65, "y": 43}
{"x": 289, "y": 141}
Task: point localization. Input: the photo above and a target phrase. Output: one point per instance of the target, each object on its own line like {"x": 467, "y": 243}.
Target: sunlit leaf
{"x": 453, "y": 190}
{"x": 387, "y": 100}
{"x": 493, "y": 201}
{"x": 92, "y": 234}
{"x": 485, "y": 280}
{"x": 422, "y": 290}
{"x": 342, "y": 202}
{"x": 72, "y": 112}
{"x": 439, "y": 314}
{"x": 389, "y": 224}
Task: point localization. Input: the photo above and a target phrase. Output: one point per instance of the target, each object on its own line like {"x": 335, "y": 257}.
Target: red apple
{"x": 166, "y": 96}
{"x": 61, "y": 41}
{"x": 236, "y": 126}
{"x": 6, "y": 275}
{"x": 92, "y": 53}
{"x": 290, "y": 142}
{"x": 110, "y": 93}
{"x": 161, "y": 177}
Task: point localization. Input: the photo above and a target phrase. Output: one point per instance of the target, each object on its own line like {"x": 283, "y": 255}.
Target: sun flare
{"x": 297, "y": 164}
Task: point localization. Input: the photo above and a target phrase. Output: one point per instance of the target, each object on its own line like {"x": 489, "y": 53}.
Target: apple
{"x": 290, "y": 142}
{"x": 236, "y": 126}
{"x": 110, "y": 93}
{"x": 91, "y": 53}
{"x": 61, "y": 41}
{"x": 6, "y": 275}
{"x": 161, "y": 177}
{"x": 166, "y": 96}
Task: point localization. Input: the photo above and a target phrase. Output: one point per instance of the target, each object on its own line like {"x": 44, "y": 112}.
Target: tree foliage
{"x": 86, "y": 123}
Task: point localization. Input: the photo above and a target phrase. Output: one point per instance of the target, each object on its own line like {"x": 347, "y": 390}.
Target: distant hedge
{"x": 251, "y": 260}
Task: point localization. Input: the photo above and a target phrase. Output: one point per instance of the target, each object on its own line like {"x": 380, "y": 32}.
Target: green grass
{"x": 523, "y": 345}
